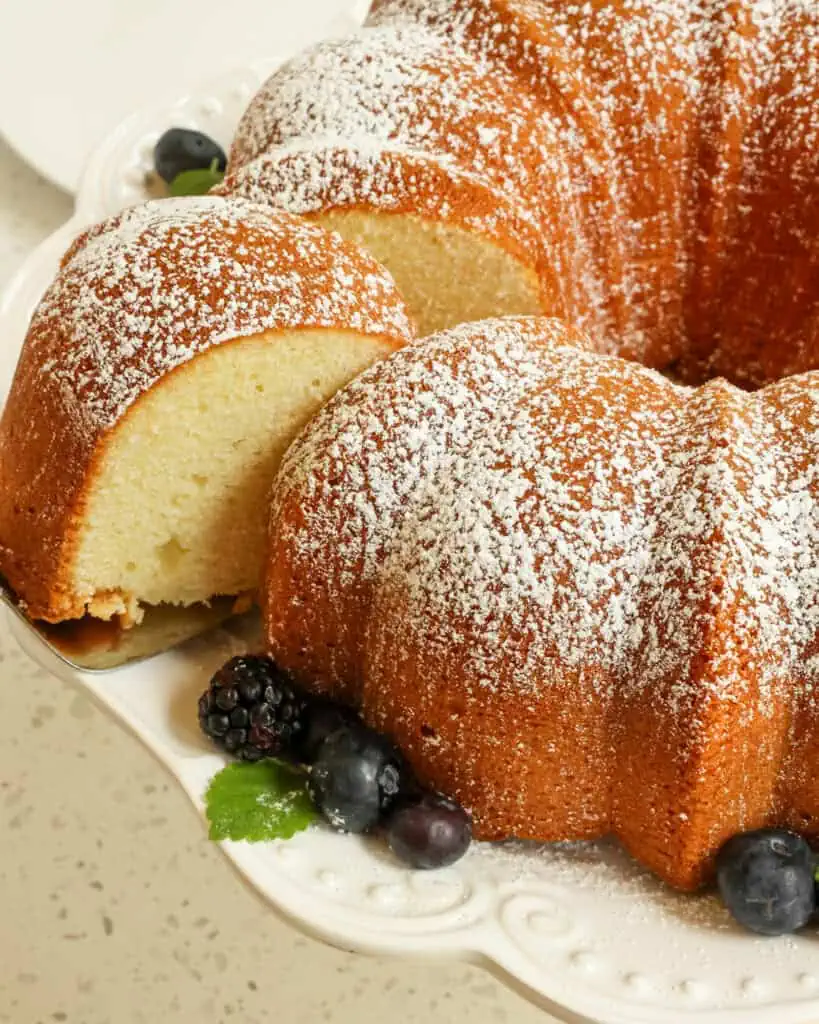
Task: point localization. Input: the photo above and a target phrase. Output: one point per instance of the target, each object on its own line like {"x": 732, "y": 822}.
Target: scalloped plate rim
{"x": 479, "y": 943}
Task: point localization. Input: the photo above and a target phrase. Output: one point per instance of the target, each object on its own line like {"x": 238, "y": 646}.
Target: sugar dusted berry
{"x": 356, "y": 777}
{"x": 766, "y": 879}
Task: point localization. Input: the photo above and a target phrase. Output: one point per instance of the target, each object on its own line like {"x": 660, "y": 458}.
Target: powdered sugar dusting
{"x": 545, "y": 570}
{"x": 150, "y": 288}
{"x": 308, "y": 179}
{"x": 663, "y": 150}
{"x": 533, "y": 560}
{"x": 515, "y": 486}
{"x": 399, "y": 119}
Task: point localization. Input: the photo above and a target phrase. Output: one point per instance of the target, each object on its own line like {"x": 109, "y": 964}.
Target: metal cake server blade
{"x": 91, "y": 645}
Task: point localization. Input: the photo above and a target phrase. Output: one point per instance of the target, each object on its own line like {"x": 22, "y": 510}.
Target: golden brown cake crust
{"x": 313, "y": 181}
{"x": 443, "y": 130}
{"x": 136, "y": 298}
{"x": 581, "y": 598}
{"x": 666, "y": 152}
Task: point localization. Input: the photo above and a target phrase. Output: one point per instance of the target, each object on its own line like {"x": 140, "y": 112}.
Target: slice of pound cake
{"x": 182, "y": 345}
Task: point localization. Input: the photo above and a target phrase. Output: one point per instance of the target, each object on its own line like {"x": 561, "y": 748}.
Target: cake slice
{"x": 182, "y": 345}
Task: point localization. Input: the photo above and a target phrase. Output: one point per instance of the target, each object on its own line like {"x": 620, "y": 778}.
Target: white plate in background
{"x": 72, "y": 69}
{"x": 580, "y": 930}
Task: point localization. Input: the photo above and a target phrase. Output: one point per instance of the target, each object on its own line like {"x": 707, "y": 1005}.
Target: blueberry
{"x": 766, "y": 880}
{"x": 321, "y": 718}
{"x": 430, "y": 832}
{"x": 181, "y": 149}
{"x": 355, "y": 778}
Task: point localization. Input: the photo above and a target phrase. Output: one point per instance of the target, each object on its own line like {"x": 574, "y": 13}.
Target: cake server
{"x": 91, "y": 645}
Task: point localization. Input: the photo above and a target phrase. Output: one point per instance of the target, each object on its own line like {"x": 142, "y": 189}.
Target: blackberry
{"x": 252, "y": 709}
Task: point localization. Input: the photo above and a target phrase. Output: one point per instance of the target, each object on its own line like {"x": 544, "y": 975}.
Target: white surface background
{"x": 114, "y": 909}
{"x": 70, "y": 72}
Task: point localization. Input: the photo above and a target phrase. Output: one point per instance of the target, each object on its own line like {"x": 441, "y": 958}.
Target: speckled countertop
{"x": 113, "y": 907}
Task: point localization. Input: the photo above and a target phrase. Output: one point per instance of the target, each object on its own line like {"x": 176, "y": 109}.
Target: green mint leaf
{"x": 257, "y": 802}
{"x": 196, "y": 183}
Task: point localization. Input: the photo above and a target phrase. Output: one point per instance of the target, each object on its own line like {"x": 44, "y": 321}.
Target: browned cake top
{"x": 148, "y": 289}
{"x": 678, "y": 138}
{"x": 502, "y": 489}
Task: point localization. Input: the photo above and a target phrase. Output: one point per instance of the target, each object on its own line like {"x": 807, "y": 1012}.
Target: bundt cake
{"x": 182, "y": 345}
{"x": 647, "y": 170}
{"x": 581, "y": 598}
